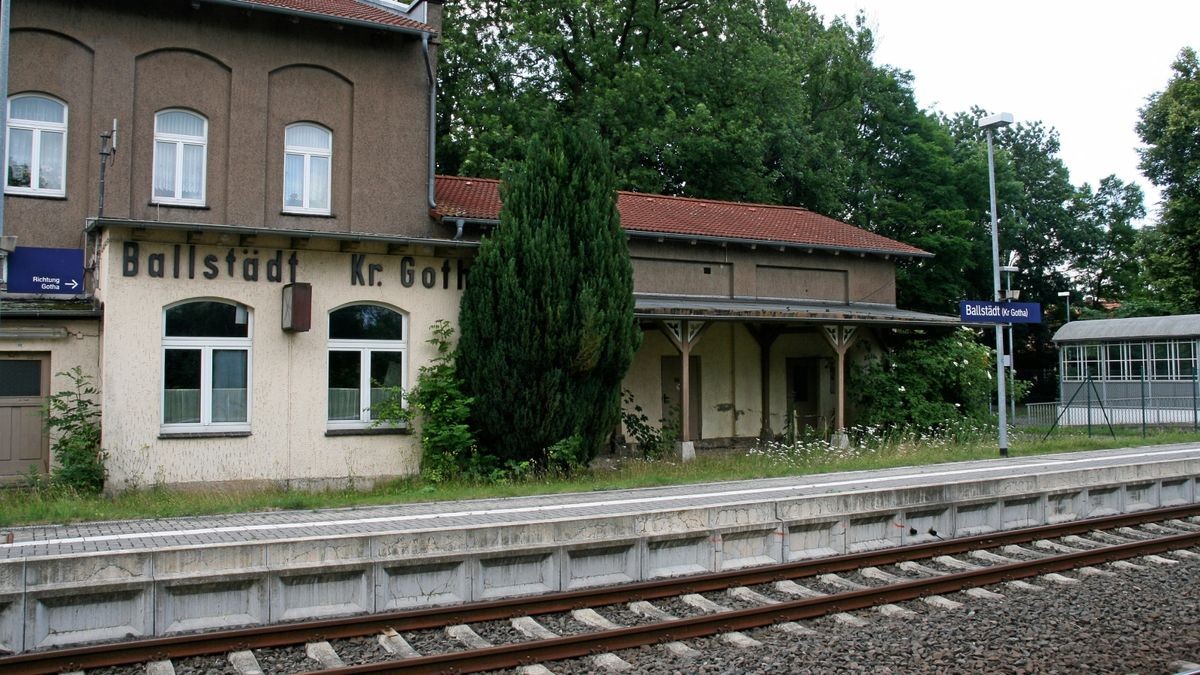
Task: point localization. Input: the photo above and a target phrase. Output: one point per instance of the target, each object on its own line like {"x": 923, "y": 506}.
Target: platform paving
{"x": 125, "y": 535}
{"x": 71, "y": 584}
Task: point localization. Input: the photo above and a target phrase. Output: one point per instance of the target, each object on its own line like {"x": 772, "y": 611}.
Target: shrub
{"x": 927, "y": 383}
{"x": 654, "y": 442}
{"x": 74, "y": 415}
{"x": 448, "y": 448}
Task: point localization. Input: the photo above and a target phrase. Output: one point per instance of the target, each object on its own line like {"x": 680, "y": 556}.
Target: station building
{"x": 224, "y": 211}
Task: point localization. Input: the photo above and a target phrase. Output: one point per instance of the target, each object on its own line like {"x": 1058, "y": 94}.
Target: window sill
{"x": 35, "y": 195}
{"x": 167, "y": 435}
{"x": 303, "y": 214}
{"x": 378, "y": 431}
{"x": 173, "y": 205}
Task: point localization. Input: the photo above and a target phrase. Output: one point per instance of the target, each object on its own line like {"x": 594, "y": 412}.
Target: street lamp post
{"x": 988, "y": 124}
{"x": 1067, "y": 295}
{"x": 1009, "y": 296}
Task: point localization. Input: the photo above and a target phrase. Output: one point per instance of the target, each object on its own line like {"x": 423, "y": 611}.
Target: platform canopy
{"x": 763, "y": 311}
{"x": 1113, "y": 330}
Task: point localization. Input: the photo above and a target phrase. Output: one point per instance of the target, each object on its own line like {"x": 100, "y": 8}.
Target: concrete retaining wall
{"x": 69, "y": 600}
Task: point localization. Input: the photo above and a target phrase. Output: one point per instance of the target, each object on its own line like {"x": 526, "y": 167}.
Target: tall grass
{"x": 869, "y": 448}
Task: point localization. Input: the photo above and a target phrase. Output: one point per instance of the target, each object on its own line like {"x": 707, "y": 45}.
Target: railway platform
{"x": 74, "y": 584}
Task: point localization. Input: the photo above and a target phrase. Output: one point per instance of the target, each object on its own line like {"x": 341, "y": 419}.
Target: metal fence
{"x": 1091, "y": 411}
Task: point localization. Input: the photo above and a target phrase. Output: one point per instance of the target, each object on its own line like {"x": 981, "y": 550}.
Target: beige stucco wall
{"x": 288, "y": 372}
{"x": 731, "y": 381}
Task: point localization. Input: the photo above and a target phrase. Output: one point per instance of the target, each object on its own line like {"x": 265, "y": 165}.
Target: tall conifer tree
{"x": 547, "y": 327}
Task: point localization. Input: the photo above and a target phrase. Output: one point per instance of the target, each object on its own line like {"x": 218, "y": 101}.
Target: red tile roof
{"x": 350, "y": 11}
{"x": 479, "y": 199}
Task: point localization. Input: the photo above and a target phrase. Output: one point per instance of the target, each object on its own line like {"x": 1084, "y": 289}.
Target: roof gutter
{"x": 345, "y": 21}
{"x": 646, "y": 234}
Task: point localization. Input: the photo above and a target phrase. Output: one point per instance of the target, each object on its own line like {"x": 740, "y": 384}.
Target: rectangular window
{"x": 1071, "y": 363}
{"x": 206, "y": 367}
{"x": 180, "y": 155}
{"x": 1137, "y": 360}
{"x": 181, "y": 381}
{"x": 1091, "y": 361}
{"x": 20, "y": 158}
{"x": 1161, "y": 354}
{"x": 37, "y": 146}
{"x": 1187, "y": 360}
{"x": 1115, "y": 362}
{"x": 344, "y": 379}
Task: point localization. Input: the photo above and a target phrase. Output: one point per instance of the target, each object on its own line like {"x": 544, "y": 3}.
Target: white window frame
{"x": 206, "y": 346}
{"x": 307, "y": 153}
{"x": 180, "y": 140}
{"x": 35, "y": 163}
{"x": 365, "y": 349}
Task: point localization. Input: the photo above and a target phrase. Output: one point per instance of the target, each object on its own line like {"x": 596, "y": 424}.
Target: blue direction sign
{"x": 985, "y": 311}
{"x": 54, "y": 271}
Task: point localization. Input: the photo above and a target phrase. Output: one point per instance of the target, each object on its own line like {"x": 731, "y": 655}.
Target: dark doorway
{"x": 803, "y": 386}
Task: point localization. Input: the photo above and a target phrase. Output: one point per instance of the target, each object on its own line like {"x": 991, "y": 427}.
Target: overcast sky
{"x": 1084, "y": 68}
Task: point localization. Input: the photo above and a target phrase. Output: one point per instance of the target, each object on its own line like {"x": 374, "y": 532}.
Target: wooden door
{"x": 24, "y": 385}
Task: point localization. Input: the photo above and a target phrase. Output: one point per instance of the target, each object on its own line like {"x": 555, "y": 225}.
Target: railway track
{"x": 927, "y": 571}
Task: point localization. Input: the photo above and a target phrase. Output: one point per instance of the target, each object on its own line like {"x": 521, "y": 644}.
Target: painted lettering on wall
{"x": 247, "y": 264}
{"x": 363, "y": 273}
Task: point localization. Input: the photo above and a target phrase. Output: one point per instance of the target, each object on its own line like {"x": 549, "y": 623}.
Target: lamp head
{"x": 1064, "y": 294}
{"x": 996, "y": 121}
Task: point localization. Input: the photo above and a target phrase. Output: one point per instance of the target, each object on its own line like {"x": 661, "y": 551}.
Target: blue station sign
{"x": 986, "y": 311}
{"x": 46, "y": 271}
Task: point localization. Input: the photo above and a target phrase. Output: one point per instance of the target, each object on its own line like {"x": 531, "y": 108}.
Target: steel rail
{"x": 279, "y": 635}
{"x": 508, "y": 656}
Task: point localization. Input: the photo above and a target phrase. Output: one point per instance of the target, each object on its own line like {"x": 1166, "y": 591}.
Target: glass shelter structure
{"x": 1137, "y": 370}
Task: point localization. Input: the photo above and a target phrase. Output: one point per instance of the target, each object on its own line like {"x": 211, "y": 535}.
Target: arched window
{"x": 367, "y": 350}
{"x": 180, "y": 157}
{"x": 307, "y": 154}
{"x": 37, "y": 146}
{"x": 206, "y": 366}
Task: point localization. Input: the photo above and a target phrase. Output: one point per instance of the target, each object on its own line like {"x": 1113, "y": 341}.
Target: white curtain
{"x": 36, "y": 109}
{"x": 164, "y": 169}
{"x": 50, "y": 167}
{"x": 193, "y": 172}
{"x": 318, "y": 183}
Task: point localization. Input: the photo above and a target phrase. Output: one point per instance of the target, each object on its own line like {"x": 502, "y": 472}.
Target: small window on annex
{"x": 307, "y": 155}
{"x": 180, "y": 157}
{"x": 37, "y": 146}
{"x": 367, "y": 349}
{"x": 206, "y": 367}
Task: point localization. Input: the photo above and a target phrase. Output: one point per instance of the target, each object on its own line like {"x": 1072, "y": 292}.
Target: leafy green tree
{"x": 748, "y": 100}
{"x": 547, "y": 327}
{"x": 1170, "y": 128}
{"x": 1107, "y": 259}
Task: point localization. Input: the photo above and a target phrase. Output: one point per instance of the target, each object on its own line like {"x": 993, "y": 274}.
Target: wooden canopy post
{"x": 841, "y": 338}
{"x": 684, "y": 335}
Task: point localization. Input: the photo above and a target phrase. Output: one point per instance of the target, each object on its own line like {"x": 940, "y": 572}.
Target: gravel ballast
{"x": 1136, "y": 622}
